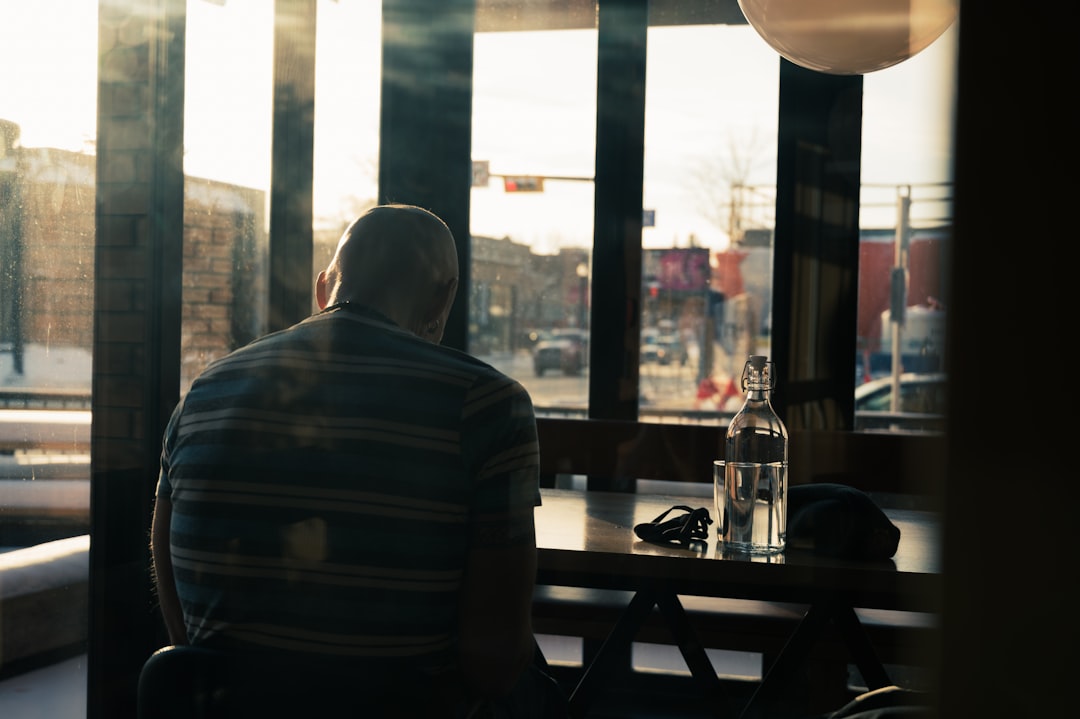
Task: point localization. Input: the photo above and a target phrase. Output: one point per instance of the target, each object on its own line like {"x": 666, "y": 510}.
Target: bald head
{"x": 400, "y": 260}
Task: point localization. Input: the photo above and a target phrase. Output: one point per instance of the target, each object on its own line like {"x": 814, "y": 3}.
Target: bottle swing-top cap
{"x": 758, "y": 372}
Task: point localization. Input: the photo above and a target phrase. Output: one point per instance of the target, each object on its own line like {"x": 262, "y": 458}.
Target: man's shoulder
{"x": 483, "y": 371}
{"x": 374, "y": 348}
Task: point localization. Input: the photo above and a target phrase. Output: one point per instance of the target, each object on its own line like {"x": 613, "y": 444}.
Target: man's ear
{"x": 320, "y": 290}
{"x": 444, "y": 297}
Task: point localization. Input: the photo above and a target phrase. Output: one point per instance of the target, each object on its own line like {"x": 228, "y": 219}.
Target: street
{"x": 669, "y": 388}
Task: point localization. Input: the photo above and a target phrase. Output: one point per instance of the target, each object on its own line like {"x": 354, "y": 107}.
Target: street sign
{"x": 481, "y": 174}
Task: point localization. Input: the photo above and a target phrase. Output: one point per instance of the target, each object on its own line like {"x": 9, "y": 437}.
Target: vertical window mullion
{"x": 137, "y": 290}
{"x": 293, "y": 157}
{"x": 816, "y": 247}
{"x": 620, "y": 140}
{"x": 425, "y": 124}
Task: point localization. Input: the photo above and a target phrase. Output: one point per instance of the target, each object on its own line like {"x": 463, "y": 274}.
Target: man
{"x": 349, "y": 489}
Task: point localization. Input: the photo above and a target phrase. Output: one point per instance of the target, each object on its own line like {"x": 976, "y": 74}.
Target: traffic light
{"x": 898, "y": 295}
{"x": 523, "y": 183}
{"x": 481, "y": 173}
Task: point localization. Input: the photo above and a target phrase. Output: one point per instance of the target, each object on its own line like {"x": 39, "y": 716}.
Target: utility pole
{"x": 898, "y": 288}
{"x": 11, "y": 245}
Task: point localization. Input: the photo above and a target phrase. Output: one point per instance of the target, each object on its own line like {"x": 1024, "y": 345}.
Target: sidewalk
{"x": 63, "y": 368}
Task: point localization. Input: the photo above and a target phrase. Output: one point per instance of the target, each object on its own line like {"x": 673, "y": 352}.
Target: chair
{"x": 196, "y": 682}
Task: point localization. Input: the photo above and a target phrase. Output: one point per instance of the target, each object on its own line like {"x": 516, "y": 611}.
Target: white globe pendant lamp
{"x": 849, "y": 37}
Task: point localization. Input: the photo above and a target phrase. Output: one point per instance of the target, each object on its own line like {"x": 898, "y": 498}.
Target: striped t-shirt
{"x": 327, "y": 482}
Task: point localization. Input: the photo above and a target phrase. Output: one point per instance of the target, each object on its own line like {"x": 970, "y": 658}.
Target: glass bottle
{"x": 754, "y": 512}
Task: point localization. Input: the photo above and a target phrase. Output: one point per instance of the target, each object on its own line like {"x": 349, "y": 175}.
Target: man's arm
{"x": 163, "y": 572}
{"x": 496, "y": 637}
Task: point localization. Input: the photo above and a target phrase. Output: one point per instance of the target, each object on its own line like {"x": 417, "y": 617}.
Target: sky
{"x": 710, "y": 101}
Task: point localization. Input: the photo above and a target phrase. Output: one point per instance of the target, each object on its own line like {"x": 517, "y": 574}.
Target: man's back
{"x": 328, "y": 481}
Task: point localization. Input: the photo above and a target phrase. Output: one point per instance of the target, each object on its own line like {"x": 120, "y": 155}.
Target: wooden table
{"x": 586, "y": 539}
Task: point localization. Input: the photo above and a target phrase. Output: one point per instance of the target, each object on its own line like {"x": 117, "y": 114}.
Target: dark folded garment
{"x": 836, "y": 520}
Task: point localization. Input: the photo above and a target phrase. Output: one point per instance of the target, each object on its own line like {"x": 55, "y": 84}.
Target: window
{"x": 229, "y": 63}
{"x": 710, "y": 178}
{"x": 346, "y": 140}
{"x": 906, "y": 226}
{"x": 713, "y": 109}
{"x": 709, "y": 160}
{"x": 708, "y": 212}
{"x": 531, "y": 224}
{"x": 47, "y": 192}
{"x": 227, "y": 166}
{"x": 47, "y": 255}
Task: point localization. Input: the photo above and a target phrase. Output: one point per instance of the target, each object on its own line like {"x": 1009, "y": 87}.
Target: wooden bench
{"x": 41, "y": 506}
{"x": 614, "y": 454}
{"x": 64, "y": 430}
{"x": 44, "y": 603}
{"x": 617, "y": 455}
{"x": 740, "y": 625}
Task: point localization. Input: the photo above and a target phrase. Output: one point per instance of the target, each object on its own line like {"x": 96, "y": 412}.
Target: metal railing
{"x": 43, "y": 398}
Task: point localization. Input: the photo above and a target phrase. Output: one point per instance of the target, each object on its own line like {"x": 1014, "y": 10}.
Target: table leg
{"x": 690, "y": 646}
{"x": 791, "y": 656}
{"x": 621, "y": 636}
{"x": 862, "y": 651}
{"x": 798, "y": 647}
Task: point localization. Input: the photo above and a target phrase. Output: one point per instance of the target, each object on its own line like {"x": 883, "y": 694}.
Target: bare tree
{"x": 721, "y": 184}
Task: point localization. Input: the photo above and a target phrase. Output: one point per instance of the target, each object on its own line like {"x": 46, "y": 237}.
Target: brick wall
{"x": 224, "y": 259}
{"x": 57, "y": 189}
{"x": 224, "y": 272}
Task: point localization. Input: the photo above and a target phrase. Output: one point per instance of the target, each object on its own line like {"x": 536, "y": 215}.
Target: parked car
{"x": 650, "y": 351}
{"x": 671, "y": 350}
{"x": 530, "y": 337}
{"x": 921, "y": 406}
{"x": 662, "y": 346}
{"x": 565, "y": 350}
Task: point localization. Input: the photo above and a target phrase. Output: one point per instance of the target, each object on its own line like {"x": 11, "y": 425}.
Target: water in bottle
{"x": 752, "y": 503}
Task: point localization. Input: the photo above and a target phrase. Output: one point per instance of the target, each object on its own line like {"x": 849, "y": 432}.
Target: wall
{"x": 224, "y": 275}
{"x": 57, "y": 264}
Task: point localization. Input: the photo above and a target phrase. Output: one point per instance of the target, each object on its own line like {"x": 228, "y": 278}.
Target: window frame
{"x": 425, "y": 158}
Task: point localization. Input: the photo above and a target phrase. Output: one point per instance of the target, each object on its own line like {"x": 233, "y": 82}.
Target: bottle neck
{"x": 757, "y": 394}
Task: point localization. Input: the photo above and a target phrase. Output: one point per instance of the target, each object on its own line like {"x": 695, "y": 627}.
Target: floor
{"x": 57, "y": 691}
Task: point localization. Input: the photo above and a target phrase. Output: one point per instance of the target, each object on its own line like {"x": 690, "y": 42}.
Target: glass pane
{"x": 906, "y": 224}
{"x": 227, "y": 145}
{"x": 348, "y": 56}
{"x": 228, "y": 136}
{"x": 710, "y": 176}
{"x": 533, "y": 144}
{"x": 48, "y": 116}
